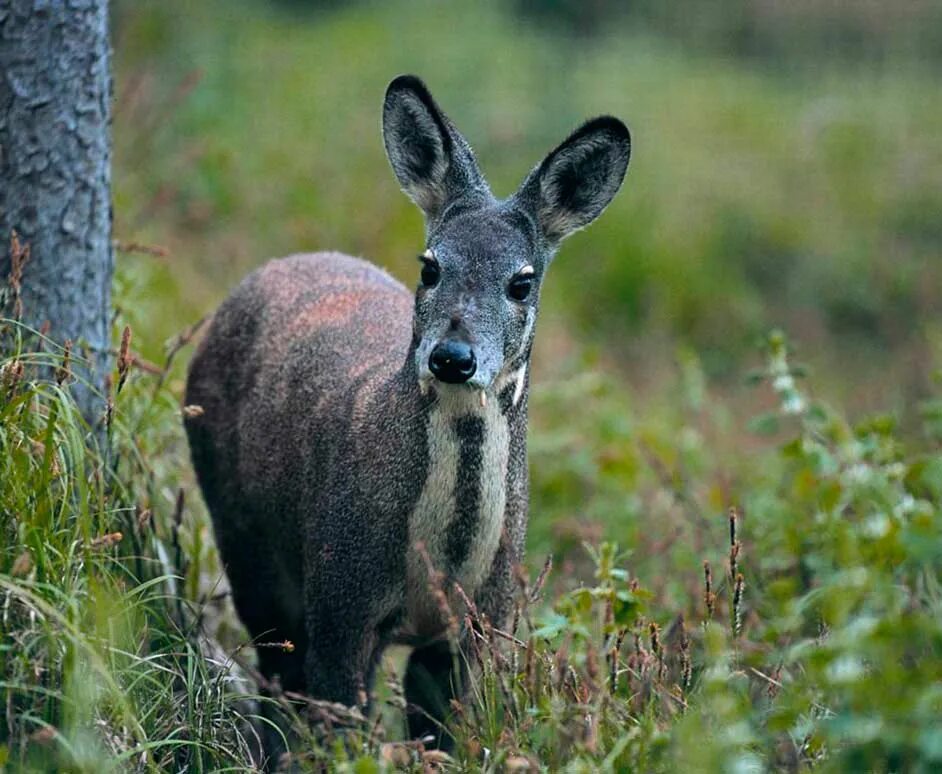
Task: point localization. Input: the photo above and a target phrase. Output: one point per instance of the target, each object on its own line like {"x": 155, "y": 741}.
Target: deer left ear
{"x": 578, "y": 179}
{"x": 431, "y": 160}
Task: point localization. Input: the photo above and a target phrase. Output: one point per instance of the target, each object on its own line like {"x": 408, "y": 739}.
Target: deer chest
{"x": 455, "y": 528}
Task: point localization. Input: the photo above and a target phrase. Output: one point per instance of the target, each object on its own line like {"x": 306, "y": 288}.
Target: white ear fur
{"x": 578, "y": 179}
{"x": 415, "y": 143}
{"x": 432, "y": 161}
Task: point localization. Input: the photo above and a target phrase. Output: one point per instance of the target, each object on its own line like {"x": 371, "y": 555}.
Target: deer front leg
{"x": 343, "y": 638}
{"x": 435, "y": 675}
{"x": 340, "y": 659}
{"x": 438, "y": 673}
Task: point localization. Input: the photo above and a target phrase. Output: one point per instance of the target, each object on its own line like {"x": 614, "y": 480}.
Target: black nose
{"x": 452, "y": 362}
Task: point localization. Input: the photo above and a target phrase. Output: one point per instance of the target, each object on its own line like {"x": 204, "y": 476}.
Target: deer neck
{"x": 455, "y": 526}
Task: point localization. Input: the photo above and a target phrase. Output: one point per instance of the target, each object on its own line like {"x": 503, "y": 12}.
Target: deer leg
{"x": 339, "y": 664}
{"x": 434, "y": 676}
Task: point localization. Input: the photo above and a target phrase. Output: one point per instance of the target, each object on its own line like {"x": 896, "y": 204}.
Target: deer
{"x": 357, "y": 437}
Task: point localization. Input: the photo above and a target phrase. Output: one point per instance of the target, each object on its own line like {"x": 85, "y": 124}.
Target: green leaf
{"x": 764, "y": 424}
{"x": 552, "y": 626}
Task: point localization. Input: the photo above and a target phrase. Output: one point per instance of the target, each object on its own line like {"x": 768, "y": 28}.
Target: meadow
{"x": 735, "y": 422}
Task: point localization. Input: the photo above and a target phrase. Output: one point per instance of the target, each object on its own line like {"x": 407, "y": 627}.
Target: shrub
{"x": 816, "y": 641}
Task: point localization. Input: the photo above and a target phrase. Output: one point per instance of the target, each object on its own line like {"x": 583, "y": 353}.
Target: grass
{"x": 103, "y": 667}
{"x": 758, "y": 197}
{"x": 822, "y": 587}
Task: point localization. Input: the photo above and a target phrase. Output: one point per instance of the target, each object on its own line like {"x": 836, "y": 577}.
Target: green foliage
{"x": 102, "y": 666}
{"x": 757, "y": 197}
{"x": 797, "y": 33}
{"x": 820, "y": 646}
{"x": 830, "y": 596}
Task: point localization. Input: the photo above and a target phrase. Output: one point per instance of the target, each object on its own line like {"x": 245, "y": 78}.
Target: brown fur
{"x": 332, "y": 440}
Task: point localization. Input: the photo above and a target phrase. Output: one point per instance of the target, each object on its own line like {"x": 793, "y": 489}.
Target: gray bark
{"x": 55, "y": 172}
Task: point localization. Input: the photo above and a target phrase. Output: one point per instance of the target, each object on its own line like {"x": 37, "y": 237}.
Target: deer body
{"x": 361, "y": 446}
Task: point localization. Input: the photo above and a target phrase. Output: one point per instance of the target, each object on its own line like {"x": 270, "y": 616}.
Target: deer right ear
{"x": 578, "y": 179}
{"x": 431, "y": 160}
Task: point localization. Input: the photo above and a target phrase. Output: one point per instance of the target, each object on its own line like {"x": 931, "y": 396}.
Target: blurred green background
{"x": 787, "y": 165}
{"x": 786, "y": 171}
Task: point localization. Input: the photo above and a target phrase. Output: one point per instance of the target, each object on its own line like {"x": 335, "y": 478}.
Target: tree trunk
{"x": 55, "y": 173}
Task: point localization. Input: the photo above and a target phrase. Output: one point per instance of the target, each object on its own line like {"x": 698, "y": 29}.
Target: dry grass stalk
{"x": 470, "y": 608}
{"x": 473, "y": 640}
{"x": 436, "y": 580}
{"x": 518, "y": 763}
{"x": 39, "y": 449}
{"x": 737, "y": 603}
{"x": 19, "y": 257}
{"x": 44, "y": 736}
{"x": 655, "y": 632}
{"x": 639, "y": 654}
{"x": 144, "y": 519}
{"x": 105, "y": 541}
{"x": 775, "y": 683}
{"x": 158, "y": 251}
{"x": 142, "y": 364}
{"x": 11, "y": 374}
{"x": 434, "y": 760}
{"x": 686, "y": 667}
{"x": 561, "y": 665}
{"x": 530, "y": 672}
{"x": 124, "y": 357}
{"x": 735, "y": 547}
{"x": 619, "y": 639}
{"x": 656, "y": 648}
{"x": 590, "y": 738}
{"x": 287, "y": 646}
{"x": 395, "y": 754}
{"x": 592, "y": 668}
{"x": 613, "y": 659}
{"x": 541, "y": 580}
{"x": 109, "y": 403}
{"x": 523, "y": 605}
{"x": 22, "y": 565}
{"x": 522, "y": 578}
{"x": 709, "y": 596}
{"x": 612, "y": 670}
{"x": 63, "y": 372}
{"x": 500, "y": 668}
{"x": 182, "y": 339}
{"x": 328, "y": 712}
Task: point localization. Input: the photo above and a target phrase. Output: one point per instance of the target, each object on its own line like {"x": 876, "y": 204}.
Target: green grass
{"x": 119, "y": 653}
{"x": 102, "y": 665}
{"x": 757, "y": 197}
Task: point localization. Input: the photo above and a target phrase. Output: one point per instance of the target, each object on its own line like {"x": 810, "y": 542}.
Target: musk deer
{"x": 353, "y": 433}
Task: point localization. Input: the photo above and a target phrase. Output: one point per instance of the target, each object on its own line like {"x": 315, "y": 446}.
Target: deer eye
{"x": 520, "y": 286}
{"x": 431, "y": 272}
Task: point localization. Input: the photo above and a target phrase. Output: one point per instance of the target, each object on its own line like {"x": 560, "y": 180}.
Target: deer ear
{"x": 578, "y": 179}
{"x": 431, "y": 160}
